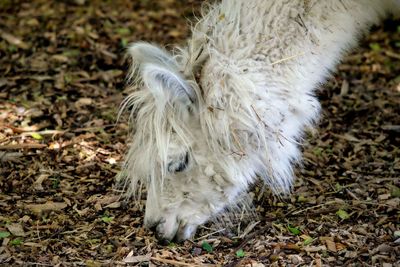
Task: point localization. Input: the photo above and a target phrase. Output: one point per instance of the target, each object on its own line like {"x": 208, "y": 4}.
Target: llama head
{"x": 185, "y": 181}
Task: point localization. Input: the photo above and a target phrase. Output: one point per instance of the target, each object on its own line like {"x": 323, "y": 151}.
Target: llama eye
{"x": 179, "y": 166}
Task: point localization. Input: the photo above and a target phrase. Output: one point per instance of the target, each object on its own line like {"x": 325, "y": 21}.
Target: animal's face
{"x": 190, "y": 192}
{"x": 185, "y": 180}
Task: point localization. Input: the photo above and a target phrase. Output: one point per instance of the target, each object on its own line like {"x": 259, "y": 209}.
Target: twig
{"x": 355, "y": 202}
{"x": 175, "y": 263}
{"x": 248, "y": 238}
{"x": 287, "y": 58}
{"x": 45, "y": 132}
{"x": 33, "y": 128}
{"x": 394, "y": 128}
{"x": 94, "y": 128}
{"x": 27, "y": 263}
{"x": 392, "y": 54}
{"x": 207, "y": 235}
{"x": 22, "y": 146}
{"x": 9, "y": 156}
{"x": 235, "y": 138}
{"x": 314, "y": 207}
{"x": 76, "y": 263}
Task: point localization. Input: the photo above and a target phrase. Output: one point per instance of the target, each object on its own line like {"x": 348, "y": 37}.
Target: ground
{"x": 62, "y": 71}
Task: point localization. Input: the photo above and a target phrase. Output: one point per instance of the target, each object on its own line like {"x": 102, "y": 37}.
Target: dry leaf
{"x": 48, "y": 206}
{"x": 14, "y": 40}
{"x": 16, "y": 229}
{"x": 136, "y": 259}
{"x": 331, "y": 245}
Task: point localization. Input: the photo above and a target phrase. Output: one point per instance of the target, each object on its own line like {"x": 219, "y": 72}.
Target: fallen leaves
{"x": 13, "y": 40}
{"x": 314, "y": 249}
{"x": 48, "y": 206}
{"x": 240, "y": 253}
{"x": 4, "y": 234}
{"x": 16, "y": 229}
{"x": 207, "y": 247}
{"x": 343, "y": 214}
{"x": 307, "y": 239}
{"x": 294, "y": 230}
{"x": 82, "y": 102}
{"x": 130, "y": 258}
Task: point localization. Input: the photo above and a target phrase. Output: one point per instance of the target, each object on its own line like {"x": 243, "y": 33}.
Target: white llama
{"x": 233, "y": 104}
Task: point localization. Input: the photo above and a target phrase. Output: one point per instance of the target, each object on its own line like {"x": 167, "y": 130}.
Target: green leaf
{"x": 207, "y": 247}
{"x": 71, "y": 53}
{"x": 301, "y": 198}
{"x": 172, "y": 245}
{"x": 12, "y": 48}
{"x": 4, "y": 4}
{"x": 107, "y": 219}
{"x": 55, "y": 183}
{"x": 294, "y": 230}
{"x": 4, "y": 234}
{"x": 308, "y": 241}
{"x": 338, "y": 187}
{"x": 68, "y": 78}
{"x": 36, "y": 136}
{"x": 124, "y": 42}
{"x": 342, "y": 214}
{"x": 394, "y": 191}
{"x": 109, "y": 248}
{"x": 92, "y": 263}
{"x": 16, "y": 242}
{"x": 240, "y": 253}
{"x": 123, "y": 31}
{"x": 318, "y": 151}
{"x": 94, "y": 241}
{"x": 375, "y": 47}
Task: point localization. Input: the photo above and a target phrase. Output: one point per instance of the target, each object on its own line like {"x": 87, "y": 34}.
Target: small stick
{"x": 207, "y": 235}
{"x": 175, "y": 263}
{"x": 287, "y": 58}
{"x": 392, "y": 54}
{"x": 45, "y": 132}
{"x": 22, "y": 146}
{"x": 314, "y": 207}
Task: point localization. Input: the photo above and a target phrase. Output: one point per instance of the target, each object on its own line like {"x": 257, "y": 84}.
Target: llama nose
{"x": 179, "y": 233}
{"x": 161, "y": 239}
{"x": 166, "y": 229}
{"x": 156, "y": 229}
{"x": 152, "y": 226}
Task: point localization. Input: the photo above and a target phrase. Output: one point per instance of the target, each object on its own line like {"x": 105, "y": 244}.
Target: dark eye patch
{"x": 179, "y": 166}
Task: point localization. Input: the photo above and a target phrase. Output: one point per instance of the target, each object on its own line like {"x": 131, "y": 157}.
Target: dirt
{"x": 62, "y": 71}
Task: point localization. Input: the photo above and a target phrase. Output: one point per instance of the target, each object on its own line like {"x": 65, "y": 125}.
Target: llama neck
{"x": 331, "y": 28}
{"x": 260, "y": 62}
{"x": 301, "y": 38}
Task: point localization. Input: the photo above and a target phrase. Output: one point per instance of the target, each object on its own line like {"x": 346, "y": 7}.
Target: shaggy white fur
{"x": 233, "y": 104}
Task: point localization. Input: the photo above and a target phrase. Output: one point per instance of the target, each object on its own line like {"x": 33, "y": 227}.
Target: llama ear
{"x": 159, "y": 72}
{"x": 163, "y": 82}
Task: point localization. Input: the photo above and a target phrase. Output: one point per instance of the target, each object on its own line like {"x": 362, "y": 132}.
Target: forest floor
{"x": 62, "y": 71}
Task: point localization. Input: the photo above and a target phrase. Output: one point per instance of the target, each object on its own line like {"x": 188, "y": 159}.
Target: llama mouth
{"x": 179, "y": 231}
{"x": 185, "y": 232}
